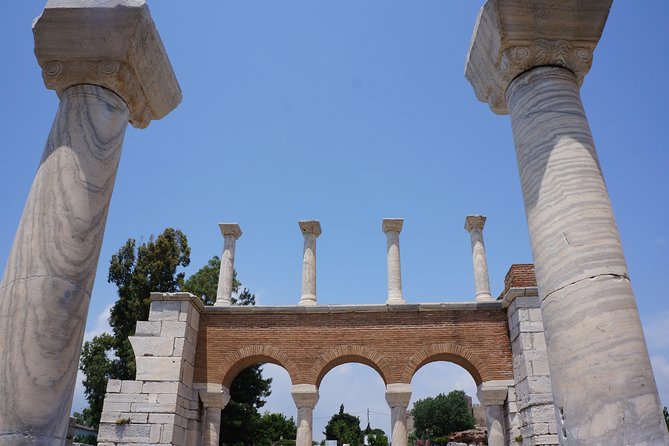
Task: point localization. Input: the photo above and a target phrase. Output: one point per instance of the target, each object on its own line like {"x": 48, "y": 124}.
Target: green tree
{"x": 274, "y": 428}
{"x": 345, "y": 428}
{"x": 376, "y": 437}
{"x": 442, "y": 415}
{"x": 666, "y": 416}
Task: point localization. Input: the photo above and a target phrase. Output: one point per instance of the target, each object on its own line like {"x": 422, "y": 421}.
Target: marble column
{"x": 103, "y": 82}
{"x": 311, "y": 229}
{"x": 398, "y": 396}
{"x": 231, "y": 232}
{"x": 305, "y": 397}
{"x": 603, "y": 385}
{"x": 214, "y": 398}
{"x": 492, "y": 395}
{"x": 474, "y": 225}
{"x": 392, "y": 228}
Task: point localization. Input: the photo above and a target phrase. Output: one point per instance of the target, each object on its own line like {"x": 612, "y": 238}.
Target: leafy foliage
{"x": 205, "y": 282}
{"x": 376, "y": 437}
{"x": 345, "y": 428}
{"x": 442, "y": 415}
{"x": 85, "y": 439}
{"x": 666, "y": 416}
{"x": 276, "y": 429}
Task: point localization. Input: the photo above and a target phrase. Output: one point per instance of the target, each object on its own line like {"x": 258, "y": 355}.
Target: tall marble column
{"x": 492, "y": 395}
{"x": 398, "y": 396}
{"x": 311, "y": 229}
{"x": 231, "y": 232}
{"x": 529, "y": 59}
{"x": 392, "y": 228}
{"x": 474, "y": 225}
{"x": 305, "y": 397}
{"x": 214, "y": 398}
{"x": 117, "y": 72}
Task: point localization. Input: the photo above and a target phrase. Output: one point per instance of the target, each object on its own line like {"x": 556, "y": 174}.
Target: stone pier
{"x": 118, "y": 72}
{"x": 398, "y": 396}
{"x": 305, "y": 397}
{"x": 492, "y": 395}
{"x": 231, "y": 232}
{"x": 529, "y": 58}
{"x": 392, "y": 228}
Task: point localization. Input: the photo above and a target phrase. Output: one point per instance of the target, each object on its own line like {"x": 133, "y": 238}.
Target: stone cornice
{"x": 514, "y": 36}
{"x": 112, "y": 44}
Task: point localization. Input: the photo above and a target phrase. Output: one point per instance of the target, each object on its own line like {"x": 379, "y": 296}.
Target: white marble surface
{"x": 305, "y": 397}
{"x": 392, "y": 228}
{"x": 46, "y": 288}
{"x": 311, "y": 229}
{"x": 122, "y": 52}
{"x": 231, "y": 232}
{"x": 474, "y": 225}
{"x": 398, "y": 396}
{"x": 602, "y": 381}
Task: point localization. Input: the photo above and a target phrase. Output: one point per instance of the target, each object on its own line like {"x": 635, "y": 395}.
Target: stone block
{"x": 154, "y": 408}
{"x": 540, "y": 367}
{"x": 152, "y": 346}
{"x": 135, "y": 418}
{"x": 162, "y": 418}
{"x": 160, "y": 387}
{"x": 165, "y": 310}
{"x": 125, "y": 433}
{"x": 176, "y": 329}
{"x": 113, "y": 386}
{"x": 146, "y": 328}
{"x": 158, "y": 369}
{"x": 128, "y": 386}
{"x": 126, "y": 398}
{"x": 156, "y": 431}
{"x": 109, "y": 406}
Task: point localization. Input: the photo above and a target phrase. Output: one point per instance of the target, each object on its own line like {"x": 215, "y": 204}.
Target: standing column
{"x": 117, "y": 72}
{"x": 231, "y": 232}
{"x": 305, "y": 397}
{"x": 392, "y": 228}
{"x": 214, "y": 399}
{"x": 398, "y": 396}
{"x": 311, "y": 229}
{"x": 602, "y": 381}
{"x": 474, "y": 225}
{"x": 492, "y": 395}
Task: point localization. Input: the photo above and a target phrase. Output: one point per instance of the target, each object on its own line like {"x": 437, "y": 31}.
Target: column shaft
{"x": 398, "y": 421}
{"x": 212, "y": 426}
{"x": 495, "y": 422}
{"x": 394, "y": 267}
{"x": 227, "y": 272}
{"x": 602, "y": 380}
{"x": 46, "y": 288}
{"x": 304, "y": 426}
{"x": 481, "y": 280}
{"x": 309, "y": 270}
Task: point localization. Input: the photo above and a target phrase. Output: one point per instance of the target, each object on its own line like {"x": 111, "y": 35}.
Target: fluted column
{"x": 492, "y": 395}
{"x": 311, "y": 229}
{"x": 398, "y": 396}
{"x": 103, "y": 82}
{"x": 474, "y": 225}
{"x": 603, "y": 385}
{"x": 214, "y": 398}
{"x": 392, "y": 228}
{"x": 231, "y": 232}
{"x": 305, "y": 397}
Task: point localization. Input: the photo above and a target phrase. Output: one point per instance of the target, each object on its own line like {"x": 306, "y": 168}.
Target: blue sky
{"x": 348, "y": 112}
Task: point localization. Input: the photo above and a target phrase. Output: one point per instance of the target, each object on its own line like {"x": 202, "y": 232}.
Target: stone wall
{"x": 160, "y": 406}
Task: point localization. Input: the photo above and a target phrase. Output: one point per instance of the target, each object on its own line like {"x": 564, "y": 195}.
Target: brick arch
{"x": 449, "y": 352}
{"x": 255, "y": 354}
{"x": 349, "y": 353}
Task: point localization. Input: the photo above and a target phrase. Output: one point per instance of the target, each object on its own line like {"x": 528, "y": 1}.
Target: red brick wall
{"x": 395, "y": 342}
{"x": 519, "y": 276}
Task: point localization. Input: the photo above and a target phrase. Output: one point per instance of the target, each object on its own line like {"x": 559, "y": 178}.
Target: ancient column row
{"x": 311, "y": 229}
{"x": 117, "y": 72}
{"x": 529, "y": 58}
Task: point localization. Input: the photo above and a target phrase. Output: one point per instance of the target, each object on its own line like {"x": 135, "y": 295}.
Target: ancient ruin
{"x": 579, "y": 318}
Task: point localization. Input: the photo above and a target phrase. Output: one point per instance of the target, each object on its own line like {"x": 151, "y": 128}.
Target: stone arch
{"x": 449, "y": 352}
{"x": 256, "y": 354}
{"x": 350, "y": 353}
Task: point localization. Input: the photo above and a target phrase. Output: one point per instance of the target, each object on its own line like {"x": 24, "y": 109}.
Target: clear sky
{"x": 349, "y": 112}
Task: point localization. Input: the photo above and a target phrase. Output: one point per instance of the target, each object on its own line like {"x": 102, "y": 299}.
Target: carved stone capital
{"x": 213, "y": 395}
{"x": 230, "y": 230}
{"x": 514, "y": 36}
{"x": 112, "y": 44}
{"x": 310, "y": 227}
{"x": 398, "y": 395}
{"x": 305, "y": 395}
{"x": 392, "y": 225}
{"x": 493, "y": 393}
{"x": 474, "y": 223}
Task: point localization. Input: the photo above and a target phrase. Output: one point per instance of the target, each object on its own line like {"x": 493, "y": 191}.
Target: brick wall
{"x": 396, "y": 341}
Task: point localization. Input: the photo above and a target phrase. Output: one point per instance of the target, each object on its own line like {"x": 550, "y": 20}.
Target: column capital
{"x": 474, "y": 223}
{"x": 513, "y": 36}
{"x": 392, "y": 225}
{"x": 122, "y": 52}
{"x": 310, "y": 227}
{"x": 230, "y": 230}
{"x": 305, "y": 395}
{"x": 493, "y": 393}
{"x": 398, "y": 394}
{"x": 213, "y": 395}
